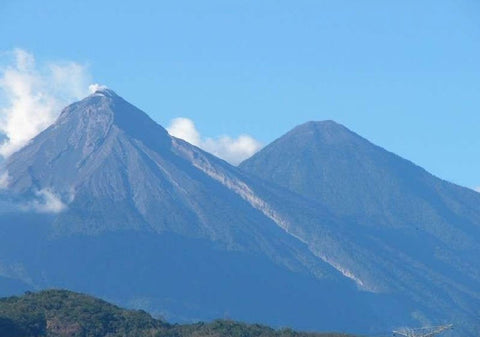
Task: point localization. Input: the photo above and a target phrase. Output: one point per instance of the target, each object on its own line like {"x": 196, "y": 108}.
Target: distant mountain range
{"x": 320, "y": 230}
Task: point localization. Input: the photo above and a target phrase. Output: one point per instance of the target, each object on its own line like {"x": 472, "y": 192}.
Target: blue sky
{"x": 404, "y": 74}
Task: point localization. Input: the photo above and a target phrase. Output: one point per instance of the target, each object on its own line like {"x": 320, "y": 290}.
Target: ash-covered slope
{"x": 106, "y": 158}
{"x": 327, "y": 162}
{"x": 108, "y": 203}
{"x": 409, "y": 232}
{"x": 106, "y": 166}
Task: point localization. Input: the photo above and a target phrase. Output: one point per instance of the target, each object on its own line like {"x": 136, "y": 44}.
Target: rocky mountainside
{"x": 409, "y": 232}
{"x": 106, "y": 202}
{"x": 106, "y": 166}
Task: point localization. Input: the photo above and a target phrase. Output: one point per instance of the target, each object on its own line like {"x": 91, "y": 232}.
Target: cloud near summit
{"x": 233, "y": 150}
{"x": 32, "y": 95}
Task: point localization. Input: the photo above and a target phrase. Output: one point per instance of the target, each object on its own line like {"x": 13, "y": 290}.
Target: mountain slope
{"x": 108, "y": 203}
{"x": 409, "y": 232}
{"x": 327, "y": 162}
{"x": 116, "y": 169}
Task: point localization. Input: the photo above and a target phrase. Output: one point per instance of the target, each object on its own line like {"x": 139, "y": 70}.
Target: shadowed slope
{"x": 405, "y": 231}
{"x": 127, "y": 190}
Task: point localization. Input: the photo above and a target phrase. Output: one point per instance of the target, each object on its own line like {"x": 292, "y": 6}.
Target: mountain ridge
{"x": 128, "y": 189}
{"x": 149, "y": 209}
{"x": 414, "y": 223}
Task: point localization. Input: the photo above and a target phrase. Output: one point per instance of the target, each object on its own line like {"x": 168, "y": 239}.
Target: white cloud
{"x": 233, "y": 150}
{"x": 4, "y": 180}
{"x": 32, "y": 96}
{"x": 46, "y": 202}
{"x": 185, "y": 129}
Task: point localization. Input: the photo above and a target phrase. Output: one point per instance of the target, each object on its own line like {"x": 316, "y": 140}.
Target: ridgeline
{"x": 61, "y": 313}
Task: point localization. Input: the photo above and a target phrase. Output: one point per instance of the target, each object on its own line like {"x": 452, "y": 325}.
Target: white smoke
{"x": 46, "y": 201}
{"x": 94, "y": 87}
{"x": 32, "y": 96}
{"x": 4, "y": 180}
{"x": 233, "y": 150}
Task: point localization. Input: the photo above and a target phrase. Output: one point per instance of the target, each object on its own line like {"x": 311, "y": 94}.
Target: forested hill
{"x": 61, "y": 313}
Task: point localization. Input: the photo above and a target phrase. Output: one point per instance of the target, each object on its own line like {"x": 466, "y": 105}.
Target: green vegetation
{"x": 61, "y": 313}
{"x": 64, "y": 313}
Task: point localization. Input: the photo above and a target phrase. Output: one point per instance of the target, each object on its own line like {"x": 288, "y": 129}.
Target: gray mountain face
{"x": 106, "y": 202}
{"x": 113, "y": 168}
{"x": 405, "y": 231}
